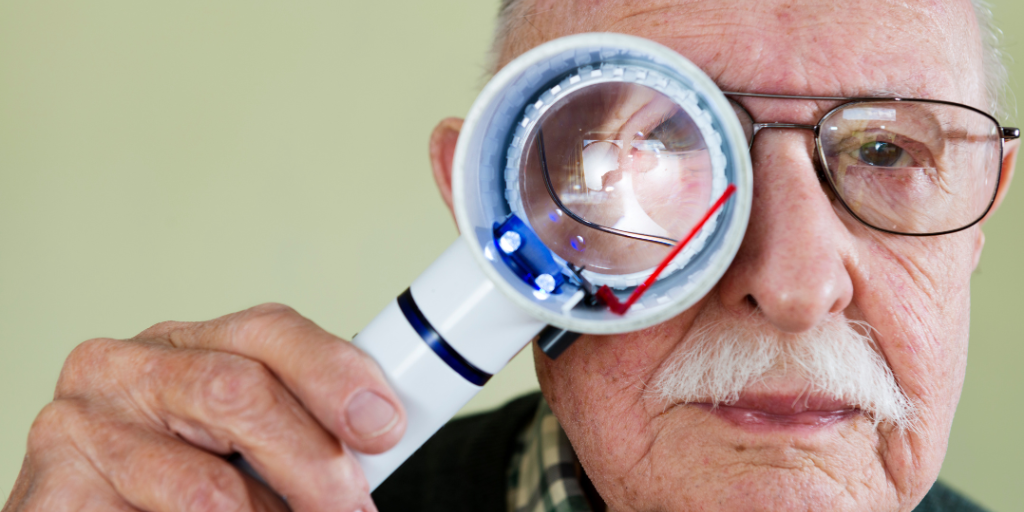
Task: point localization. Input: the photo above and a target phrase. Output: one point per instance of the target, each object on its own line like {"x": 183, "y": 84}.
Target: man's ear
{"x": 442, "y": 152}
{"x": 1010, "y": 150}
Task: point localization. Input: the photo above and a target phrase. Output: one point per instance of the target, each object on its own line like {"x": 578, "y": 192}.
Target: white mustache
{"x": 838, "y": 359}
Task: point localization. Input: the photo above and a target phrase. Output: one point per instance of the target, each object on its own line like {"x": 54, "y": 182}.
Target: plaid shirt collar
{"x": 544, "y": 475}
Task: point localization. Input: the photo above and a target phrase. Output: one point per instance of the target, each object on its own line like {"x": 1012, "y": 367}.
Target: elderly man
{"x": 143, "y": 424}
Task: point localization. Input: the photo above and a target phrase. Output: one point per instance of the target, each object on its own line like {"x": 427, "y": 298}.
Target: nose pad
{"x": 822, "y": 174}
{"x": 746, "y": 121}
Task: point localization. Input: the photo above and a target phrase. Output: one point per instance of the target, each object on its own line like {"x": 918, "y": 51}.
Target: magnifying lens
{"x": 601, "y": 184}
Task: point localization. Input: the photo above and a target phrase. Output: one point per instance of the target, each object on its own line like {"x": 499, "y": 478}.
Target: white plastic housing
{"x": 501, "y": 117}
{"x": 476, "y": 319}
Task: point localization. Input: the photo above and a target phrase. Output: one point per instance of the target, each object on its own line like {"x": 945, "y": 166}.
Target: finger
{"x": 342, "y": 386}
{"x": 57, "y": 475}
{"x": 265, "y": 499}
{"x": 56, "y": 493}
{"x": 157, "y": 473}
{"x": 226, "y": 403}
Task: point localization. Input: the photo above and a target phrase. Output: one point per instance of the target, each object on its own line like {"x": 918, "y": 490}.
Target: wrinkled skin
{"x": 803, "y": 259}
{"x": 138, "y": 424}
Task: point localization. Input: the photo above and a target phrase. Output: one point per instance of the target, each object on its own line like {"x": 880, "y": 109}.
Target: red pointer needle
{"x": 609, "y": 298}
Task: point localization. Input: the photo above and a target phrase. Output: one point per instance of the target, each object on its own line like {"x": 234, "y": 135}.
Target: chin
{"x": 782, "y": 489}
{"x": 700, "y": 457}
{"x": 733, "y": 458}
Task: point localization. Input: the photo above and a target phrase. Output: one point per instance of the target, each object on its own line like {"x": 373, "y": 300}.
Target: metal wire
{"x": 558, "y": 202}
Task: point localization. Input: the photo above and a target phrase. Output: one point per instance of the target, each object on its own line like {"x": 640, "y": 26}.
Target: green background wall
{"x": 186, "y": 159}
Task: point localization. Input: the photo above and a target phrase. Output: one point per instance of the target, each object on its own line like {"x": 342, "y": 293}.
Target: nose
{"x": 793, "y": 263}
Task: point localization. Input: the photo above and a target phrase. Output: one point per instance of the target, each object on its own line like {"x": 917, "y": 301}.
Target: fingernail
{"x": 369, "y": 414}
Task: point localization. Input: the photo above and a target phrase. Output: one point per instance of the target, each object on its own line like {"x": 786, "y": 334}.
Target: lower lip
{"x": 757, "y": 420}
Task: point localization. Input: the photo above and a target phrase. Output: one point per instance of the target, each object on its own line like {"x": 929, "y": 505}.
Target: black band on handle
{"x": 440, "y": 347}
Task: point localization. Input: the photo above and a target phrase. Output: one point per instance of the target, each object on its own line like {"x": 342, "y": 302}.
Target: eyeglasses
{"x": 903, "y": 166}
{"x": 631, "y": 169}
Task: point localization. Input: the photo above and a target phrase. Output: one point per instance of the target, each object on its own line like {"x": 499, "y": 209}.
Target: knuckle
{"x": 356, "y": 489}
{"x": 344, "y": 357}
{"x": 236, "y": 385}
{"x": 55, "y": 493}
{"x": 90, "y": 350}
{"x": 271, "y": 308}
{"x": 270, "y": 315}
{"x": 341, "y": 367}
{"x": 265, "y": 320}
{"x": 82, "y": 364}
{"x": 161, "y": 329}
{"x": 49, "y": 430}
{"x": 67, "y": 492}
{"x": 216, "y": 490}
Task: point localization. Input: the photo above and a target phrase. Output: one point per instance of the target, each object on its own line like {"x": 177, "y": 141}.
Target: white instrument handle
{"x": 438, "y": 343}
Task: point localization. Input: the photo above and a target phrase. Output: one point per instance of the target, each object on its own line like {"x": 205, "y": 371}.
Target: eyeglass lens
{"x": 615, "y": 155}
{"x": 909, "y": 167}
{"x": 912, "y": 167}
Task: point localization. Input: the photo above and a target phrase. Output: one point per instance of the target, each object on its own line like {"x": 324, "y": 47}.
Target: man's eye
{"x": 678, "y": 134}
{"x": 881, "y": 154}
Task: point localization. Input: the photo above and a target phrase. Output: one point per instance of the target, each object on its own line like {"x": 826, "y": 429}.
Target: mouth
{"x": 769, "y": 412}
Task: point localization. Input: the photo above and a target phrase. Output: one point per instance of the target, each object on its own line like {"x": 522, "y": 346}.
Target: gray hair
{"x": 511, "y": 13}
{"x": 997, "y": 75}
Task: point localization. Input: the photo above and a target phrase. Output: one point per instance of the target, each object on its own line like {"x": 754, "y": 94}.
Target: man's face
{"x": 804, "y": 262}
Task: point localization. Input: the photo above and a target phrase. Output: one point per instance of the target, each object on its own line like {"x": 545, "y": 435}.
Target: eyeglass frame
{"x": 1005, "y": 133}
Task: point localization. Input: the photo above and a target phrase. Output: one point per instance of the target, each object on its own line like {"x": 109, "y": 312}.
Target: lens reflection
{"x": 912, "y": 167}
{"x": 618, "y": 157}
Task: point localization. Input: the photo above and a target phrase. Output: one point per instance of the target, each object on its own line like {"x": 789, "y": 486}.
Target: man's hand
{"x": 143, "y": 424}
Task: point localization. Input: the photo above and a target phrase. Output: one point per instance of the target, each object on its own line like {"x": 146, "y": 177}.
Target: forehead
{"x": 801, "y": 47}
